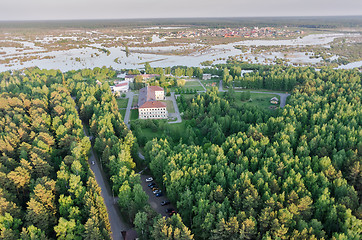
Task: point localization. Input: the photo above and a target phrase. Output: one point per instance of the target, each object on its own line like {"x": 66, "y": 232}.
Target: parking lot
{"x": 154, "y": 201}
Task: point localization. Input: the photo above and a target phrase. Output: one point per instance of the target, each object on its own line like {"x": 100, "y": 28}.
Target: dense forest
{"x": 296, "y": 175}
{"x": 46, "y": 188}
{"x": 237, "y": 171}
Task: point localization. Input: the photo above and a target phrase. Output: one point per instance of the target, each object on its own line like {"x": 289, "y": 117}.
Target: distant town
{"x": 253, "y": 32}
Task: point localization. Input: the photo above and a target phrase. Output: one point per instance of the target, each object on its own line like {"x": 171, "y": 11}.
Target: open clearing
{"x": 257, "y": 99}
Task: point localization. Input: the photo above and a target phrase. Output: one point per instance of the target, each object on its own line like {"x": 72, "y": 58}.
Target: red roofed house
{"x": 148, "y": 106}
{"x": 120, "y": 87}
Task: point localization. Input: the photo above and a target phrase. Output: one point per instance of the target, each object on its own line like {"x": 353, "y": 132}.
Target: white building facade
{"x": 149, "y": 105}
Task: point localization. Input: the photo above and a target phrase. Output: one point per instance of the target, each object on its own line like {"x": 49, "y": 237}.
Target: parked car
{"x": 93, "y": 163}
{"x": 150, "y": 179}
{"x": 169, "y": 210}
{"x": 154, "y": 188}
{"x": 163, "y": 203}
{"x": 156, "y": 191}
{"x": 159, "y": 194}
{"x": 151, "y": 184}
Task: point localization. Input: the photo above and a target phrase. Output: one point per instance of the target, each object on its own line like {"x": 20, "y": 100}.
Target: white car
{"x": 93, "y": 162}
{"x": 150, "y": 179}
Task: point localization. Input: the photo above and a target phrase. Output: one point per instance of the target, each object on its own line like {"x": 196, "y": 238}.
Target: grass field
{"x": 176, "y": 130}
{"x": 135, "y": 100}
{"x": 149, "y": 134}
{"x": 122, "y": 112}
{"x": 134, "y": 114}
{"x": 257, "y": 99}
{"x": 192, "y": 83}
{"x": 208, "y": 83}
{"x": 122, "y": 102}
{"x": 170, "y": 107}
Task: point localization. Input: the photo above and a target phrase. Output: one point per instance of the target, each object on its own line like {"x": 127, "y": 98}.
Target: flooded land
{"x": 162, "y": 46}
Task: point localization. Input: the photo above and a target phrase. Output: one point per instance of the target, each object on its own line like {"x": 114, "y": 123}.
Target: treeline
{"x": 273, "y": 78}
{"x": 179, "y": 71}
{"x": 46, "y": 188}
{"x": 295, "y": 176}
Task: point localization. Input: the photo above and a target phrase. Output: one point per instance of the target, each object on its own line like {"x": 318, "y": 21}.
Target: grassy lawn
{"x": 258, "y": 99}
{"x": 208, "y": 83}
{"x": 170, "y": 107}
{"x": 134, "y": 114}
{"x": 122, "y": 112}
{"x": 177, "y": 130}
{"x": 135, "y": 100}
{"x": 149, "y": 134}
{"x": 192, "y": 83}
{"x": 122, "y": 102}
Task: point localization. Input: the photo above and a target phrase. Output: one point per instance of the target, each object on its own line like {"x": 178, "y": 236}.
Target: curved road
{"x": 177, "y": 112}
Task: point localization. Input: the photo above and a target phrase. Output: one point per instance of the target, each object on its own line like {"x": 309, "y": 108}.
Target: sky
{"x": 125, "y": 9}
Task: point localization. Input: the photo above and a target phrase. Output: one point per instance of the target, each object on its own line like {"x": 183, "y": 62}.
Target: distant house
{"x": 148, "y": 105}
{"x": 274, "y": 100}
{"x": 99, "y": 83}
{"x": 206, "y": 76}
{"x": 120, "y": 87}
{"x": 129, "y": 78}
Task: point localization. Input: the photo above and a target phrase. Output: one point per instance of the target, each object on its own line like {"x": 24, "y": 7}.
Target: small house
{"x": 274, "y": 100}
{"x": 206, "y": 76}
{"x": 121, "y": 87}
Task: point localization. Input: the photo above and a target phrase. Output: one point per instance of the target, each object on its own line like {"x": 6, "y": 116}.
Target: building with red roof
{"x": 149, "y": 106}
{"x": 120, "y": 87}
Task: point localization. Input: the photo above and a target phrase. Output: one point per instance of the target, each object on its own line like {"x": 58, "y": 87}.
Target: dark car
{"x": 163, "y": 203}
{"x": 157, "y": 191}
{"x": 152, "y": 184}
{"x": 159, "y": 194}
{"x": 170, "y": 210}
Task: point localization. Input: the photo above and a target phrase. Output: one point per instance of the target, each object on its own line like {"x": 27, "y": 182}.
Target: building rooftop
{"x": 147, "y": 94}
{"x": 153, "y": 104}
{"x": 122, "y": 84}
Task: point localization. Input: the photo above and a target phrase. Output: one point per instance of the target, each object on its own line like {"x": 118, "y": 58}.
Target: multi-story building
{"x": 148, "y": 105}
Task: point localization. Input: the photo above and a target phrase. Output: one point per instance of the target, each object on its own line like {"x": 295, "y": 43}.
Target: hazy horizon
{"x": 38, "y": 10}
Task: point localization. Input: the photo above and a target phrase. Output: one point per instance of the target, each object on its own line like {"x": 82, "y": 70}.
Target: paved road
{"x": 283, "y": 96}
{"x": 115, "y": 218}
{"x": 177, "y": 111}
{"x": 154, "y": 201}
{"x": 128, "y": 110}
